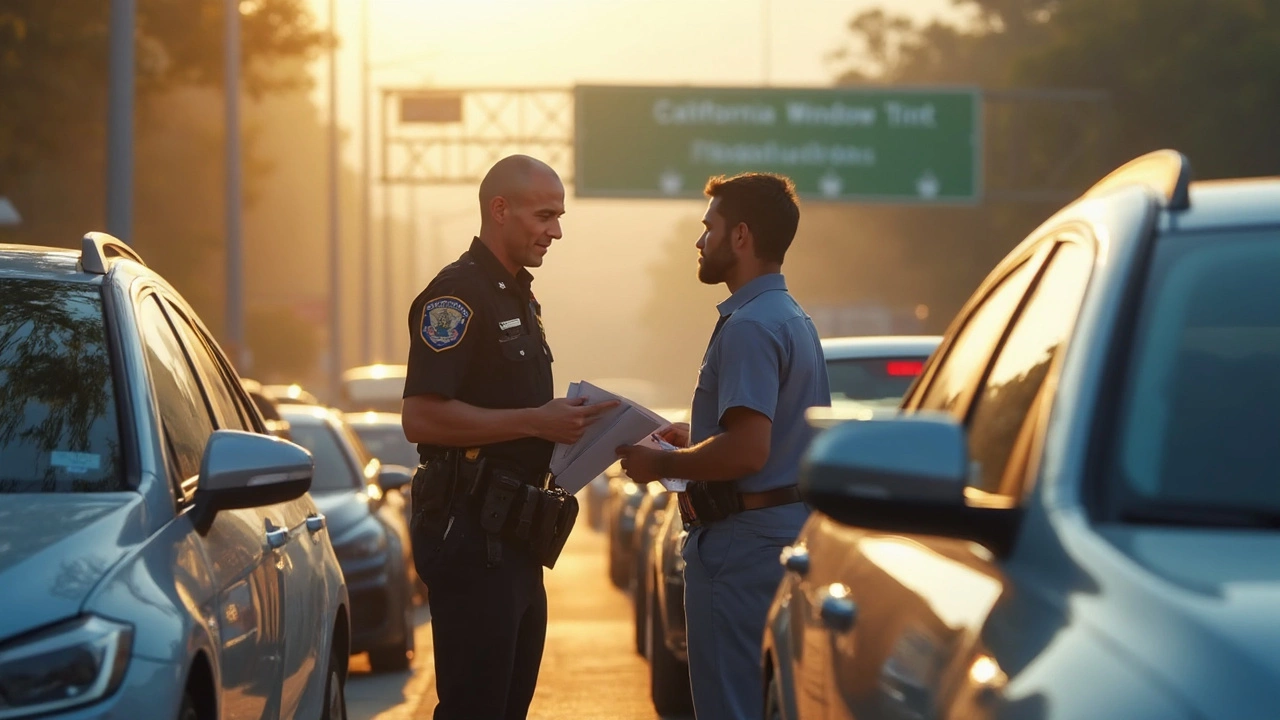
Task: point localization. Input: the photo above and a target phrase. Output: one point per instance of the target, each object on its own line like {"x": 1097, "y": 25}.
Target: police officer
{"x": 478, "y": 401}
{"x": 763, "y": 368}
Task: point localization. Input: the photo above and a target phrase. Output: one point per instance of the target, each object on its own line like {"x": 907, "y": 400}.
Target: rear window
{"x": 873, "y": 380}
{"x": 1199, "y": 417}
{"x": 58, "y": 426}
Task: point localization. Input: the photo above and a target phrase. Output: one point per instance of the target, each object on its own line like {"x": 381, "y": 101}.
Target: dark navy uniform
{"x": 477, "y": 337}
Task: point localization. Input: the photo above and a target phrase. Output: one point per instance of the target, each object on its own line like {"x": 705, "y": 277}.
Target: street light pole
{"x": 366, "y": 234}
{"x": 235, "y": 285}
{"x": 120, "y": 120}
{"x": 335, "y": 248}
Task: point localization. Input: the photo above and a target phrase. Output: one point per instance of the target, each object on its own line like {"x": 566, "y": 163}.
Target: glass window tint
{"x": 227, "y": 410}
{"x": 59, "y": 431}
{"x": 334, "y": 471}
{"x": 1200, "y": 409}
{"x": 1023, "y": 363}
{"x": 962, "y": 367}
{"x": 873, "y": 380}
{"x": 183, "y": 412}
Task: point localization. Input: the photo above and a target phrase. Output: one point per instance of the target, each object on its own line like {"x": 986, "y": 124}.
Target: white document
{"x": 576, "y": 465}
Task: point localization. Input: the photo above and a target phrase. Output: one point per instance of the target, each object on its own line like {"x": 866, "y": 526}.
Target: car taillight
{"x": 904, "y": 368}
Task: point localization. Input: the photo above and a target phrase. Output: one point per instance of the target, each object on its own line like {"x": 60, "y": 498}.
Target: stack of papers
{"x": 575, "y": 465}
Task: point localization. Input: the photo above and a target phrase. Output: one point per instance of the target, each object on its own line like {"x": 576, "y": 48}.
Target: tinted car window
{"x": 59, "y": 431}
{"x": 334, "y": 471}
{"x": 1023, "y": 362}
{"x": 1200, "y": 409}
{"x": 967, "y": 357}
{"x": 387, "y": 443}
{"x": 873, "y": 380}
{"x": 226, "y": 408}
{"x": 183, "y": 412}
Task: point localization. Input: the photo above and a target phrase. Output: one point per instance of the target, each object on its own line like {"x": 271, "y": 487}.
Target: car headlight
{"x": 75, "y": 663}
{"x": 368, "y": 541}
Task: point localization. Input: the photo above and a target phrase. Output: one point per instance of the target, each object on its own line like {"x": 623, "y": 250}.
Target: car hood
{"x": 54, "y": 550}
{"x": 342, "y": 510}
{"x": 1220, "y": 591}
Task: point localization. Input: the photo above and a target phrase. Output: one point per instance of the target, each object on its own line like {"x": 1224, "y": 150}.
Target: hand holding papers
{"x": 658, "y": 443}
{"x": 574, "y": 465}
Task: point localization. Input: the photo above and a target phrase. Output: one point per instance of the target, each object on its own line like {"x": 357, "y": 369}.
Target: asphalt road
{"x": 590, "y": 669}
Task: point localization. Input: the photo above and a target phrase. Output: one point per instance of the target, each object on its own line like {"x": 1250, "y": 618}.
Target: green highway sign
{"x": 837, "y": 144}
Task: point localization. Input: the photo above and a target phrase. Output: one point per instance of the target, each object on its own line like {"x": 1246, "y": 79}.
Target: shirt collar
{"x": 749, "y": 292}
{"x": 493, "y": 267}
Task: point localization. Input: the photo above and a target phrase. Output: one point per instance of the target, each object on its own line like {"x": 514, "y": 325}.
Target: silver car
{"x": 1075, "y": 513}
{"x": 159, "y": 554}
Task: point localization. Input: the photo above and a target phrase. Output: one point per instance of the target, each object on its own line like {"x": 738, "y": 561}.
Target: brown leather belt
{"x": 769, "y": 498}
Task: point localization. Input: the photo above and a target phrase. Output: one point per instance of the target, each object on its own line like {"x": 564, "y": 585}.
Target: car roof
{"x": 304, "y": 415}
{"x": 37, "y": 262}
{"x": 1228, "y": 203}
{"x": 377, "y": 371}
{"x": 875, "y": 346}
{"x": 358, "y": 418}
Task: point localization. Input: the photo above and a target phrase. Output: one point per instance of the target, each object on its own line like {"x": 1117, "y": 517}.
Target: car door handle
{"x": 315, "y": 523}
{"x": 796, "y": 559}
{"x": 839, "y": 613}
{"x": 277, "y": 538}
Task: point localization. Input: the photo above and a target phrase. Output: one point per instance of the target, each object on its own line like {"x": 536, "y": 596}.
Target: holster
{"x": 710, "y": 502}
{"x": 431, "y": 495}
{"x": 500, "y": 495}
{"x": 557, "y": 513}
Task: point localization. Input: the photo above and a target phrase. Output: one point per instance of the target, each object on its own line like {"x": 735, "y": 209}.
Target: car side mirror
{"x": 903, "y": 474}
{"x": 244, "y": 470}
{"x": 394, "y": 477}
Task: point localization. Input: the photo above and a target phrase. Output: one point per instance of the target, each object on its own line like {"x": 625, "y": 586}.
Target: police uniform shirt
{"x": 477, "y": 337}
{"x": 766, "y": 357}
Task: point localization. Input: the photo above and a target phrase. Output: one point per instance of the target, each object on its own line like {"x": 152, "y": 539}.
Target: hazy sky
{"x": 558, "y": 43}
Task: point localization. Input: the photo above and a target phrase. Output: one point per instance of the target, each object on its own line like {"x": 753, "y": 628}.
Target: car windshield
{"x": 334, "y": 471}
{"x": 1200, "y": 411}
{"x": 872, "y": 380}
{"x": 58, "y": 426}
{"x": 387, "y": 443}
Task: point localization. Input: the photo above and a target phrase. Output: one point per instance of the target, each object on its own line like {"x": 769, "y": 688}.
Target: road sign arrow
{"x": 831, "y": 184}
{"x": 927, "y": 185}
{"x": 671, "y": 182}
{"x": 8, "y": 213}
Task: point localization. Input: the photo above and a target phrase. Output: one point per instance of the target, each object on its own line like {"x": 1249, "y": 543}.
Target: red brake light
{"x": 904, "y": 368}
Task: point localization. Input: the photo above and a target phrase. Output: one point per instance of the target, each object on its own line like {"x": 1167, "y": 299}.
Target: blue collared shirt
{"x": 766, "y": 357}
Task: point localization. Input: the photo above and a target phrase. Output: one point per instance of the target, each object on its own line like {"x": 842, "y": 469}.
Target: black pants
{"x": 488, "y": 624}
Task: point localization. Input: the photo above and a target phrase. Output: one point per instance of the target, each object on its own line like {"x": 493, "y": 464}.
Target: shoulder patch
{"x": 444, "y": 322}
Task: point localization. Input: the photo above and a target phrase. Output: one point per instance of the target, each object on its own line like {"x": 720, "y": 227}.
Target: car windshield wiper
{"x": 1201, "y": 515}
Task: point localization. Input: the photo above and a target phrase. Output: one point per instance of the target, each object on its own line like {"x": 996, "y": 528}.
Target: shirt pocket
{"x": 518, "y": 349}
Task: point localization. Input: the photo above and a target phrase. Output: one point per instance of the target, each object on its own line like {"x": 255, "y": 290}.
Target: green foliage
{"x": 54, "y": 69}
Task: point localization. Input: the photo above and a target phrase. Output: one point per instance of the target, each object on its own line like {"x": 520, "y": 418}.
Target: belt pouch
{"x": 498, "y": 498}
{"x": 528, "y": 510}
{"x": 565, "y": 518}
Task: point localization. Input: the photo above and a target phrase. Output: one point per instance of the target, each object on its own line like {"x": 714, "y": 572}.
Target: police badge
{"x": 444, "y": 322}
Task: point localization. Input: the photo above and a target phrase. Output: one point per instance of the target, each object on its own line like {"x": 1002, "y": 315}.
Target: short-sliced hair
{"x": 766, "y": 202}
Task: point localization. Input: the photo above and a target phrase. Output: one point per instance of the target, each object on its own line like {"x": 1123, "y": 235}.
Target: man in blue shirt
{"x": 763, "y": 368}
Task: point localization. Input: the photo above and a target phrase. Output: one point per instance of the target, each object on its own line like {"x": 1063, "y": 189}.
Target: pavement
{"x": 590, "y": 669}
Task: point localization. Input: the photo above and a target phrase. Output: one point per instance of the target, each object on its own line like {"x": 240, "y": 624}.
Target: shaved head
{"x": 510, "y": 178}
{"x": 521, "y": 201}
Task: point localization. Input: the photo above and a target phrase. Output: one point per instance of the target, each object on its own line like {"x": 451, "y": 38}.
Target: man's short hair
{"x": 768, "y": 205}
